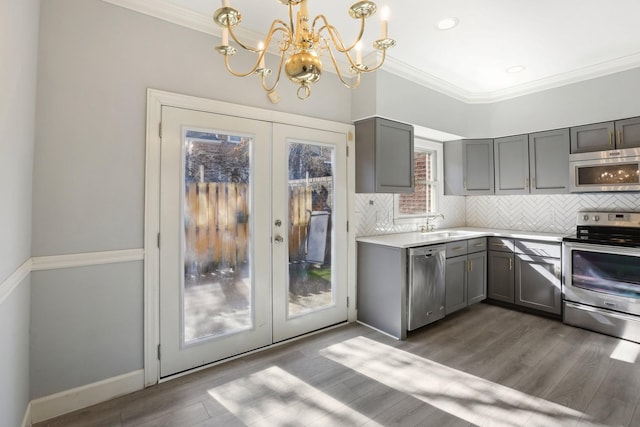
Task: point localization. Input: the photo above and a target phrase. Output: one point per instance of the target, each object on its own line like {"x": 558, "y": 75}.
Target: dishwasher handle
{"x": 426, "y": 250}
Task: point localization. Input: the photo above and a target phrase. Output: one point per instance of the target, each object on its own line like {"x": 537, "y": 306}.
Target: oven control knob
{"x": 596, "y": 218}
{"x": 585, "y": 217}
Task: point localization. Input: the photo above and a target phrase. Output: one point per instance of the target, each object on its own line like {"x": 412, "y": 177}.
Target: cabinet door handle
{"x": 611, "y": 138}
{"x": 526, "y": 183}
{"x": 457, "y": 248}
{"x": 510, "y": 264}
{"x": 470, "y": 265}
{"x": 479, "y": 245}
{"x": 464, "y": 185}
{"x": 620, "y": 140}
{"x": 500, "y": 245}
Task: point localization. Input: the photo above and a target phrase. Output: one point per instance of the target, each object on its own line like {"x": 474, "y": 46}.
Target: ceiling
{"x": 557, "y": 41}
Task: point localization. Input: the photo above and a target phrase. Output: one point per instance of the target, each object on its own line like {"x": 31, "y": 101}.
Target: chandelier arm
{"x": 275, "y": 84}
{"x": 230, "y": 70}
{"x": 272, "y": 31}
{"x": 274, "y": 27}
{"x": 335, "y": 36}
{"x": 354, "y": 66}
{"x": 340, "y": 76}
{"x": 377, "y": 67}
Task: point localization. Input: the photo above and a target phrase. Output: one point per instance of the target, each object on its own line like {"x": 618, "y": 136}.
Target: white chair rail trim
{"x": 13, "y": 281}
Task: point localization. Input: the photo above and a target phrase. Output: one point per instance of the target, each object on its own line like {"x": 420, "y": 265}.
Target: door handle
{"x": 279, "y": 239}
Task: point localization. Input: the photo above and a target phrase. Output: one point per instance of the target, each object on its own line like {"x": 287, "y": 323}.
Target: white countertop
{"x": 415, "y": 238}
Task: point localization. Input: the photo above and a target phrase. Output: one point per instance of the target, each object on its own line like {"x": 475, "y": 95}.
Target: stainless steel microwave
{"x": 615, "y": 170}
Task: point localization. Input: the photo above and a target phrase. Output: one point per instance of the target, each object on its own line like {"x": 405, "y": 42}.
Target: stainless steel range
{"x": 601, "y": 274}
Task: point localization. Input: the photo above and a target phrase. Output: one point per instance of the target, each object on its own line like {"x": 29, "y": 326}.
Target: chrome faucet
{"x": 430, "y": 226}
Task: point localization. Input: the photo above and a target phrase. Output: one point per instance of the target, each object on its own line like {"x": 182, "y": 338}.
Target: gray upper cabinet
{"x": 628, "y": 133}
{"x": 511, "y": 156}
{"x": 469, "y": 167}
{"x": 549, "y": 162}
{"x": 384, "y": 156}
{"x": 537, "y": 163}
{"x": 606, "y": 136}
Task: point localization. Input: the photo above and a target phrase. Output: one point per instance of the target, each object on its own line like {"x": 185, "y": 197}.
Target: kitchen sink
{"x": 445, "y": 234}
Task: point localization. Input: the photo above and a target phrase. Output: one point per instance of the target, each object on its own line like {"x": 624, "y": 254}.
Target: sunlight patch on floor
{"x": 465, "y": 396}
{"x": 276, "y": 398}
{"x": 626, "y": 351}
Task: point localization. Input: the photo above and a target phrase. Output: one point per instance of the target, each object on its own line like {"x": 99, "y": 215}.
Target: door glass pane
{"x": 311, "y": 201}
{"x": 217, "y": 289}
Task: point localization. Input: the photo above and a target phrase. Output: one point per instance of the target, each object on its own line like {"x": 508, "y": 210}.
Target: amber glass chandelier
{"x": 300, "y": 43}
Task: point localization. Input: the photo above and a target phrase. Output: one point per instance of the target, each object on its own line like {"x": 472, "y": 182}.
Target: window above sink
{"x": 417, "y": 207}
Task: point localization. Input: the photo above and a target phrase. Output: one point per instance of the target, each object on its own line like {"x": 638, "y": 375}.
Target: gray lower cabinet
{"x": 465, "y": 275}
{"x": 382, "y": 288}
{"x": 477, "y": 277}
{"x": 455, "y": 283}
{"x": 500, "y": 286}
{"x": 538, "y": 275}
{"x": 525, "y": 273}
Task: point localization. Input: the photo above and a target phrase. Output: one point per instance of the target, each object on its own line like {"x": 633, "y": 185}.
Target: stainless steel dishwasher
{"x": 425, "y": 296}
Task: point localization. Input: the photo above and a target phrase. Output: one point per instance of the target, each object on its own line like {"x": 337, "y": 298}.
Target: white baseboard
{"x": 26, "y": 421}
{"x": 67, "y": 401}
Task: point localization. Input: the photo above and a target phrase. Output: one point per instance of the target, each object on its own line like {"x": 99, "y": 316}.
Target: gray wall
{"x": 86, "y": 325}
{"x": 605, "y": 98}
{"x": 96, "y": 62}
{"x": 400, "y": 99}
{"x": 18, "y": 56}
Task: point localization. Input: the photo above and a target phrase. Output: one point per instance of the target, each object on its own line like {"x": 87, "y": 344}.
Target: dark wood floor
{"x": 485, "y": 365}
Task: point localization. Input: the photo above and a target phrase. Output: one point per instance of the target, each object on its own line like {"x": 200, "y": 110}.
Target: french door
{"x": 252, "y": 235}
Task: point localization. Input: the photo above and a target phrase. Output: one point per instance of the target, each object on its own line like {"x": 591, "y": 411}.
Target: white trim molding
{"x": 86, "y": 259}
{"x": 26, "y": 421}
{"x": 13, "y": 281}
{"x": 71, "y": 400}
{"x": 156, "y": 99}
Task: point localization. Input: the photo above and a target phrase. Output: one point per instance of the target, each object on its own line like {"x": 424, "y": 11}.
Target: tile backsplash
{"x": 546, "y": 213}
{"x": 374, "y": 214}
{"x": 555, "y": 213}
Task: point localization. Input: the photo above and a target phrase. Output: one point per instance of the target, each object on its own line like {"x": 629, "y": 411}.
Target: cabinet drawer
{"x": 477, "y": 245}
{"x": 501, "y": 244}
{"x": 456, "y": 248}
{"x": 537, "y": 248}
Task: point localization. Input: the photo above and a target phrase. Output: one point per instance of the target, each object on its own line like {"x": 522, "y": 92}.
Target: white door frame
{"x": 155, "y": 100}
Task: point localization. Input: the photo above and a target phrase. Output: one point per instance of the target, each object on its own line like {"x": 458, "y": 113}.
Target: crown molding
{"x": 432, "y": 82}
{"x": 169, "y": 12}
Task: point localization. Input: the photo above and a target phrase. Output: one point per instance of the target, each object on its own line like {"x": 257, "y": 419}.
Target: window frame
{"x": 436, "y": 147}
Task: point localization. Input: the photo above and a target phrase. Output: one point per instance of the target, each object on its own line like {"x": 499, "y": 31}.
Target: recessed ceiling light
{"x": 515, "y": 69}
{"x": 447, "y": 23}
